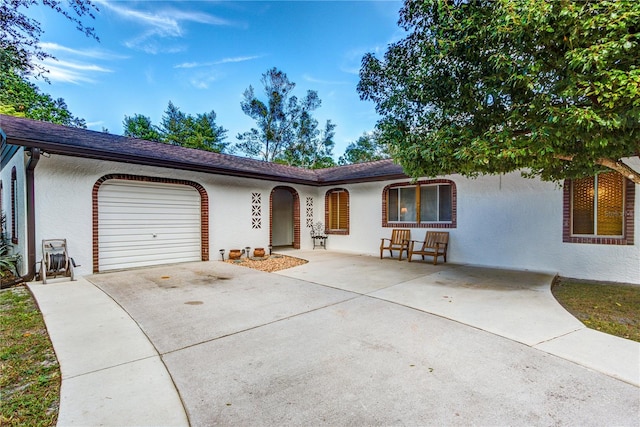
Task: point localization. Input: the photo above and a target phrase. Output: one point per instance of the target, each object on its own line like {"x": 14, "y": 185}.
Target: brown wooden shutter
{"x": 339, "y": 210}
{"x": 343, "y": 209}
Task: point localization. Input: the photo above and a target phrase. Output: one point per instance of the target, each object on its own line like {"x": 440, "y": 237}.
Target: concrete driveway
{"x": 353, "y": 340}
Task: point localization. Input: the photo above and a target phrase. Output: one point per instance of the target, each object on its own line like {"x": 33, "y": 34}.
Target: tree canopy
{"x": 366, "y": 149}
{"x": 20, "y": 34}
{"x": 177, "y": 128}
{"x": 140, "y": 126}
{"x": 286, "y": 131}
{"x": 19, "y": 97}
{"x": 492, "y": 86}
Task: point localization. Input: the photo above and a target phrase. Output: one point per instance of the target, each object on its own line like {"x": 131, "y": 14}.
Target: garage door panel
{"x": 133, "y": 234}
{"x": 133, "y": 243}
{"x": 150, "y": 253}
{"x": 144, "y": 224}
{"x": 169, "y": 220}
{"x": 130, "y": 241}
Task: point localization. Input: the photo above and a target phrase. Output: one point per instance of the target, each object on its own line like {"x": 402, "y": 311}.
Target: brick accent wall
{"x": 296, "y": 215}
{"x": 628, "y": 227}
{"x": 204, "y": 210}
{"x": 454, "y": 206}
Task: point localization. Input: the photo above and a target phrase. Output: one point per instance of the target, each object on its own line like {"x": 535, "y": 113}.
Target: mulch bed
{"x": 269, "y": 263}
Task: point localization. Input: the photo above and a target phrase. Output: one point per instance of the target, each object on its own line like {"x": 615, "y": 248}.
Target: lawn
{"x": 29, "y": 371}
{"x": 606, "y": 307}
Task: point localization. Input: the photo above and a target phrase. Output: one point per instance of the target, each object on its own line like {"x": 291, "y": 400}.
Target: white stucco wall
{"x": 18, "y": 161}
{"x": 64, "y": 188}
{"x": 503, "y": 221}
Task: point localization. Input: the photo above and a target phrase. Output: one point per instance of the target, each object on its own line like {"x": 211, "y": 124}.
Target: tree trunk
{"x": 616, "y": 165}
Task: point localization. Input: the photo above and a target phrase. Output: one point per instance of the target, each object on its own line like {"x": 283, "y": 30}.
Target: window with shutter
{"x": 337, "y": 211}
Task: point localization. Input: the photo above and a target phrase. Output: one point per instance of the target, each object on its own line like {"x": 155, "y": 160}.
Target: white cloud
{"x": 219, "y": 62}
{"x": 311, "y": 79}
{"x": 72, "y": 72}
{"x": 163, "y": 23}
{"x": 99, "y": 123}
{"x": 89, "y": 53}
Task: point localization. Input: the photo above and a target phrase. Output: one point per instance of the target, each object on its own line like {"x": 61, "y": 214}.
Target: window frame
{"x": 418, "y": 223}
{"x": 327, "y": 212}
{"x": 627, "y": 236}
{"x": 14, "y": 206}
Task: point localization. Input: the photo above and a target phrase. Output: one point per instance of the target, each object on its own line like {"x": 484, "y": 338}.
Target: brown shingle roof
{"x": 76, "y": 142}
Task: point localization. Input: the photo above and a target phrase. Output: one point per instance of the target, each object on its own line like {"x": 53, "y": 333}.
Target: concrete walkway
{"x": 111, "y": 374}
{"x": 318, "y": 343}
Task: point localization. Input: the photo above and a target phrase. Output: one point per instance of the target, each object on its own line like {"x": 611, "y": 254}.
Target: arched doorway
{"x": 284, "y": 217}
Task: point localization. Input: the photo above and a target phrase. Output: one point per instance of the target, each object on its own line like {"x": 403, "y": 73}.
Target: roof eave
{"x": 56, "y": 148}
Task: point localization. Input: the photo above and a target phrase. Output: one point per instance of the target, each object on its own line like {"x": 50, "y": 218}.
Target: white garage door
{"x": 142, "y": 224}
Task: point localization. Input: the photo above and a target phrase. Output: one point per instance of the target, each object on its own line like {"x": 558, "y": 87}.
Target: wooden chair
{"x": 399, "y": 241}
{"x": 435, "y": 244}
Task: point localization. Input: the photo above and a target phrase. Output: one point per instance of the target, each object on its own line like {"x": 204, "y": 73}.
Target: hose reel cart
{"x": 56, "y": 260}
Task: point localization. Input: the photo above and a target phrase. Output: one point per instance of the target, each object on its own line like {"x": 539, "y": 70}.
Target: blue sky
{"x": 202, "y": 55}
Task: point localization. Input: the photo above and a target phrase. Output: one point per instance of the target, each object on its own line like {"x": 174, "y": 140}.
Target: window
{"x": 600, "y": 210}
{"x": 14, "y": 206}
{"x": 1, "y": 211}
{"x": 337, "y": 211}
{"x": 425, "y": 204}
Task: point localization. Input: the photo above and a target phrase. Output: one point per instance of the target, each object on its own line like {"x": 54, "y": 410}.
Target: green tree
{"x": 286, "y": 130}
{"x": 20, "y": 35}
{"x": 492, "y": 86}
{"x": 365, "y": 149}
{"x": 18, "y": 97}
{"x": 177, "y": 128}
{"x": 139, "y": 126}
{"x": 312, "y": 147}
{"x": 203, "y": 133}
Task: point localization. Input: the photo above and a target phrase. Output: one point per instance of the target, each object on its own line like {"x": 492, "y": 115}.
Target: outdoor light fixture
{"x": 270, "y": 249}
{"x": 222, "y": 254}
{"x": 248, "y": 249}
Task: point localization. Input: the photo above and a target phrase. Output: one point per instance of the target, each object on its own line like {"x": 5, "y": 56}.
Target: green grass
{"x": 29, "y": 371}
{"x": 607, "y": 307}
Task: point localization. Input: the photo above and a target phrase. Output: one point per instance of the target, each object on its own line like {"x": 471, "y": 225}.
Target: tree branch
{"x": 616, "y": 165}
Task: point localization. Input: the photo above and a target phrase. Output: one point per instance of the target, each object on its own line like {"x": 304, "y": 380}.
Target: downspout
{"x": 31, "y": 221}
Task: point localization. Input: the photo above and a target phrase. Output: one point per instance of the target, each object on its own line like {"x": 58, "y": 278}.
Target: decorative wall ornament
{"x": 256, "y": 211}
{"x": 309, "y": 212}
